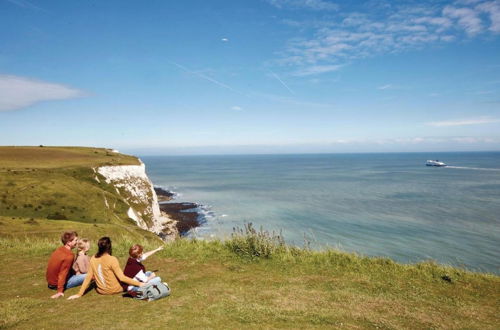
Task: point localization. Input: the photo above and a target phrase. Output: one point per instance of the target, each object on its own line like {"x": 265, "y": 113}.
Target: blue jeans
{"x": 154, "y": 280}
{"x": 75, "y": 280}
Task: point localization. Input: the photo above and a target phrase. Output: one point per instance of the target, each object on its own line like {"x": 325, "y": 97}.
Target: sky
{"x": 251, "y": 76}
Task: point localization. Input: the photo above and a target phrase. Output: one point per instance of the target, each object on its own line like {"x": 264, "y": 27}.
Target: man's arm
{"x": 66, "y": 264}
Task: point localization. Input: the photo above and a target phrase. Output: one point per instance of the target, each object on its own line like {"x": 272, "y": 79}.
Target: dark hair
{"x": 103, "y": 246}
{"x": 68, "y": 236}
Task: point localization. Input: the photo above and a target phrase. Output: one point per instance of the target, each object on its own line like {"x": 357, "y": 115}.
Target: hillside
{"x": 58, "y": 183}
{"x": 251, "y": 280}
{"x": 91, "y": 185}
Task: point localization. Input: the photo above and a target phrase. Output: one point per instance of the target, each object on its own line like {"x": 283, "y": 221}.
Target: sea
{"x": 374, "y": 204}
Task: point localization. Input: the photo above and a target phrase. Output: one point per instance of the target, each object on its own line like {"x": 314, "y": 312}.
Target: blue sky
{"x": 259, "y": 76}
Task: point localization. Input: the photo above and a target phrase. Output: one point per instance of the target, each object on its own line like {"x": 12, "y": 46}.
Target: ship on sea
{"x": 435, "y": 163}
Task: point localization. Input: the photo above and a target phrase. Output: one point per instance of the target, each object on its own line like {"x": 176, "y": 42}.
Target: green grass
{"x": 252, "y": 280}
{"x": 214, "y": 286}
{"x": 29, "y": 158}
{"x": 59, "y": 183}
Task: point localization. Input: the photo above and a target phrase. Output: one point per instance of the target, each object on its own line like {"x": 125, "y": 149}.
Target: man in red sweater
{"x": 60, "y": 263}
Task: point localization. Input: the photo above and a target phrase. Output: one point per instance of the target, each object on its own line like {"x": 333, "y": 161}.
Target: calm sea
{"x": 373, "y": 204}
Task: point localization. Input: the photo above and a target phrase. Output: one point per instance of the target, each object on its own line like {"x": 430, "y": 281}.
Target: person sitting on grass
{"x": 81, "y": 264}
{"x": 136, "y": 270}
{"x": 59, "y": 266}
{"x": 106, "y": 271}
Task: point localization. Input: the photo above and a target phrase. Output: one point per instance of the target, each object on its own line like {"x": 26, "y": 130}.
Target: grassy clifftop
{"x": 59, "y": 183}
{"x": 249, "y": 281}
{"x": 26, "y": 158}
{"x": 246, "y": 282}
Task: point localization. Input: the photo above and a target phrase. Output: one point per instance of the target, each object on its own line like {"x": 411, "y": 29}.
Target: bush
{"x": 48, "y": 202}
{"x": 57, "y": 216}
{"x": 249, "y": 242}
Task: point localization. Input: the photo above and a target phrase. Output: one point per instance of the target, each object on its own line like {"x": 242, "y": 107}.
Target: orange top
{"x": 107, "y": 274}
{"x": 59, "y": 265}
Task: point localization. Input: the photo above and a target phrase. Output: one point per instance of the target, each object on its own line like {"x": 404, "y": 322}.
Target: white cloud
{"x": 224, "y": 39}
{"x": 442, "y": 23}
{"x": 422, "y": 140}
{"x": 236, "y": 108}
{"x": 493, "y": 9}
{"x": 305, "y": 4}
{"x": 344, "y": 36}
{"x": 463, "y": 122}
{"x": 467, "y": 18}
{"x": 20, "y": 92}
{"x": 383, "y": 87}
{"x": 316, "y": 69}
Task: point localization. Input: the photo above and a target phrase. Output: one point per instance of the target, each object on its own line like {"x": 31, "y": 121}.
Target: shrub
{"x": 57, "y": 216}
{"x": 249, "y": 242}
{"x": 48, "y": 202}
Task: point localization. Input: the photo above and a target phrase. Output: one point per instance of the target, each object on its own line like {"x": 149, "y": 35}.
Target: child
{"x": 136, "y": 270}
{"x": 81, "y": 264}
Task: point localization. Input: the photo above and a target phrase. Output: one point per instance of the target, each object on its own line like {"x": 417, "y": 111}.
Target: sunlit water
{"x": 374, "y": 204}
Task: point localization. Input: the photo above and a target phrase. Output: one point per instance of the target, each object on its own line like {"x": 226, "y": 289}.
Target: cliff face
{"x": 134, "y": 186}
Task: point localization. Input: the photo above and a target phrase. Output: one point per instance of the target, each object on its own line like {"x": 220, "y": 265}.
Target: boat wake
{"x": 473, "y": 168}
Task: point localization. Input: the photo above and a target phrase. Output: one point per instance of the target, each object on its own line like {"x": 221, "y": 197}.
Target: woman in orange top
{"x": 106, "y": 272}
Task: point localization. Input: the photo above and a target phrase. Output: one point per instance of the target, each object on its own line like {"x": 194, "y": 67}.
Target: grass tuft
{"x": 252, "y": 243}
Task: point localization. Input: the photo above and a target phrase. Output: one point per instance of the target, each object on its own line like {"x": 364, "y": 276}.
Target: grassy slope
{"x": 59, "y": 183}
{"x": 214, "y": 287}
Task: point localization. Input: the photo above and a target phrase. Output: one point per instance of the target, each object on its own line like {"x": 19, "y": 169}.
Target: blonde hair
{"x": 82, "y": 244}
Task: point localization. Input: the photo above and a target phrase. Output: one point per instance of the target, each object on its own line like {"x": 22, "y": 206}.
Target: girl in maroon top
{"x": 136, "y": 270}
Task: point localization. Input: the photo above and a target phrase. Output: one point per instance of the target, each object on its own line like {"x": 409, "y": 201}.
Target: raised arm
{"x": 150, "y": 253}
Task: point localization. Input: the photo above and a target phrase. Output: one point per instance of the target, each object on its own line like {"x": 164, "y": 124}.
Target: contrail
{"x": 204, "y": 77}
{"x": 282, "y": 82}
{"x": 26, "y": 4}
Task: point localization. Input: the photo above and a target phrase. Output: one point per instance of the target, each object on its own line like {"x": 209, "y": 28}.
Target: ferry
{"x": 435, "y": 163}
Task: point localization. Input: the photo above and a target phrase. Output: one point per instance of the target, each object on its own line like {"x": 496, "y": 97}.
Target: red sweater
{"x": 131, "y": 269}
{"x": 60, "y": 263}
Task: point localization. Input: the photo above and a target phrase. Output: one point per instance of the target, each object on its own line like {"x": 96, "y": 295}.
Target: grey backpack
{"x": 153, "y": 291}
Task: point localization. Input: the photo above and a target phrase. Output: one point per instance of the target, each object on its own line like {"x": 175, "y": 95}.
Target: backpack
{"x": 153, "y": 291}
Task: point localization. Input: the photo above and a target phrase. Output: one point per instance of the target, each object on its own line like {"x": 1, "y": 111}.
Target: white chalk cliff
{"x": 132, "y": 183}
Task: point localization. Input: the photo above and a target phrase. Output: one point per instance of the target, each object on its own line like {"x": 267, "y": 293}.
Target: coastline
{"x": 185, "y": 214}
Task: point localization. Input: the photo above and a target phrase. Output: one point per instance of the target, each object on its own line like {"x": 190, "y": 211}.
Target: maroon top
{"x": 131, "y": 269}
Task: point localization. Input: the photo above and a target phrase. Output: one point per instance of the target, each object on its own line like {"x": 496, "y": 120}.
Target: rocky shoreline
{"x": 185, "y": 214}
